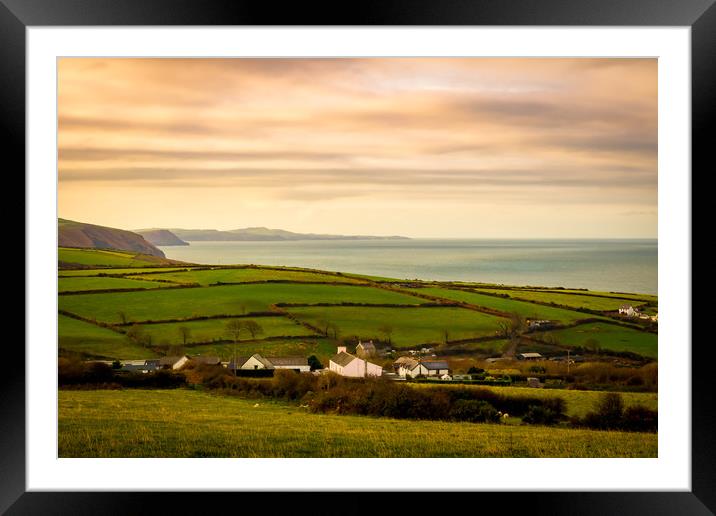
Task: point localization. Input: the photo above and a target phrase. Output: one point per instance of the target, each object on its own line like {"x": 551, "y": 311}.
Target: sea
{"x": 605, "y": 265}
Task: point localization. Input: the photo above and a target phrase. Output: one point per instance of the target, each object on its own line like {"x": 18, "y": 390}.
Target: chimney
{"x": 341, "y": 349}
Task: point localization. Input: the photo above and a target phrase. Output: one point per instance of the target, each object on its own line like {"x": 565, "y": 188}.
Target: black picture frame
{"x": 17, "y": 15}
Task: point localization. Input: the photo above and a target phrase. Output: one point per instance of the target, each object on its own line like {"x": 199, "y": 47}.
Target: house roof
{"x": 531, "y": 355}
{"x": 436, "y": 364}
{"x": 288, "y": 361}
{"x": 207, "y": 360}
{"x": 343, "y": 359}
{"x": 266, "y": 363}
{"x": 152, "y": 362}
{"x": 405, "y": 360}
{"x": 366, "y": 345}
{"x": 239, "y": 360}
{"x": 170, "y": 360}
{"x": 625, "y": 307}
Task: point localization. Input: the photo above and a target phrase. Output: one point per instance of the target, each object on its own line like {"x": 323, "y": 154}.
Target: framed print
{"x": 407, "y": 250}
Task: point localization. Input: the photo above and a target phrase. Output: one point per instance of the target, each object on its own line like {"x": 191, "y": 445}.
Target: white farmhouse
{"x": 406, "y": 366}
{"x": 346, "y": 364}
{"x": 628, "y": 310}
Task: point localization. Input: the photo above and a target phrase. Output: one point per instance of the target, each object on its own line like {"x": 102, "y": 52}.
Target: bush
{"x": 541, "y": 415}
{"x": 640, "y": 419}
{"x": 474, "y": 411}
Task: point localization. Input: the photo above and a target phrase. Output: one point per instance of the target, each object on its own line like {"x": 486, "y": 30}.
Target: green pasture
{"x": 79, "y": 284}
{"x": 185, "y": 423}
{"x": 161, "y": 304}
{"x": 96, "y": 342}
{"x": 571, "y": 300}
{"x": 322, "y": 348}
{"x": 209, "y": 330}
{"x": 525, "y": 309}
{"x": 242, "y": 275}
{"x": 411, "y": 326}
{"x": 64, "y": 273}
{"x": 609, "y": 336}
{"x": 105, "y": 258}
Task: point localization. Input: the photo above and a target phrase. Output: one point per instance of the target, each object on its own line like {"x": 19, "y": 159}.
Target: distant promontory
{"x": 261, "y": 234}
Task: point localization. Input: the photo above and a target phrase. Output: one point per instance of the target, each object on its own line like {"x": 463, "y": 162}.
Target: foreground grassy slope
{"x": 227, "y": 300}
{"x": 182, "y": 423}
{"x": 114, "y": 270}
{"x": 103, "y": 258}
{"x": 81, "y": 337}
{"x": 411, "y": 326}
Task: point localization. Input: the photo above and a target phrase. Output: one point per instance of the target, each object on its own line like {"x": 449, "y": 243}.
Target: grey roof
{"x": 405, "y": 360}
{"x": 436, "y": 364}
{"x": 288, "y": 361}
{"x": 136, "y": 367}
{"x": 366, "y": 345}
{"x": 530, "y": 355}
{"x": 343, "y": 359}
{"x": 625, "y": 307}
{"x": 207, "y": 360}
{"x": 154, "y": 362}
{"x": 266, "y": 363}
{"x": 239, "y": 360}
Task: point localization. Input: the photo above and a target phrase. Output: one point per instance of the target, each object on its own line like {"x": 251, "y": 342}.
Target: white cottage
{"x": 346, "y": 364}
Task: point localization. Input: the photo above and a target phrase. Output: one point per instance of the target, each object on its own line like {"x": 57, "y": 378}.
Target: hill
{"x": 261, "y": 234}
{"x": 80, "y": 234}
{"x": 160, "y": 237}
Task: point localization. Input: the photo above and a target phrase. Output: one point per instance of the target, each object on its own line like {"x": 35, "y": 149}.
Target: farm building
{"x": 530, "y": 356}
{"x": 628, "y": 310}
{"x": 176, "y": 362}
{"x": 207, "y": 360}
{"x": 365, "y": 349}
{"x": 406, "y": 366}
{"x": 256, "y": 361}
{"x": 345, "y": 364}
{"x": 541, "y": 324}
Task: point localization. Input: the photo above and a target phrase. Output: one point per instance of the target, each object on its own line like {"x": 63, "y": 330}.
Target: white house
{"x": 365, "y": 349}
{"x": 530, "y": 356}
{"x": 346, "y": 364}
{"x": 628, "y": 310}
{"x": 407, "y": 366}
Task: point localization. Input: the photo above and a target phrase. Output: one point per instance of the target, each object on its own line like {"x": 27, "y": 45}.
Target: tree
{"x": 185, "y": 333}
{"x": 314, "y": 363}
{"x": 446, "y": 335}
{"x": 135, "y": 333}
{"x": 253, "y": 328}
{"x": 233, "y": 329}
{"x": 386, "y": 330}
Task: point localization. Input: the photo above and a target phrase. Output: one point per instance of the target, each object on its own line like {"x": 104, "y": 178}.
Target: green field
{"x": 208, "y": 330}
{"x": 80, "y": 284}
{"x": 525, "y": 309}
{"x": 324, "y": 349}
{"x": 411, "y": 326}
{"x": 570, "y": 300}
{"x": 213, "y": 276}
{"x": 184, "y": 423}
{"x": 105, "y": 258}
{"x": 649, "y": 298}
{"x": 65, "y": 273}
{"x": 578, "y": 402}
{"x": 96, "y": 342}
{"x": 609, "y": 336}
{"x": 228, "y": 300}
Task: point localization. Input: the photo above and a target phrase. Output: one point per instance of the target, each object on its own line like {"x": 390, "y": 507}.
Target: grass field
{"x": 215, "y": 329}
{"x": 81, "y": 337}
{"x": 411, "y": 326}
{"x": 66, "y": 273}
{"x": 183, "y": 423}
{"x": 525, "y": 309}
{"x": 571, "y": 300}
{"x": 578, "y": 402}
{"x": 609, "y": 336}
{"x": 650, "y": 298}
{"x": 322, "y": 348}
{"x": 227, "y": 300}
{"x": 105, "y": 258}
{"x": 209, "y": 277}
{"x": 80, "y": 284}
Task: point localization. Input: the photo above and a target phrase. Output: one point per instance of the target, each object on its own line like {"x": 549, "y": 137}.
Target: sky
{"x": 420, "y": 147}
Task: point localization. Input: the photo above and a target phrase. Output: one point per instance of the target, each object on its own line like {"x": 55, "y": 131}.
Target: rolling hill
{"x": 260, "y": 233}
{"x": 160, "y": 237}
{"x": 79, "y": 234}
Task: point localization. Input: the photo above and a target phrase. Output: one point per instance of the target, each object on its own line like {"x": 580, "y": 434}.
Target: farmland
{"x": 107, "y": 258}
{"x": 243, "y": 275}
{"x": 591, "y": 302}
{"x": 81, "y": 337}
{"x": 523, "y": 308}
{"x": 208, "y": 330}
{"x": 608, "y": 336}
{"x": 64, "y": 273}
{"x": 409, "y": 326}
{"x": 79, "y": 284}
{"x": 184, "y": 423}
{"x": 224, "y": 300}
